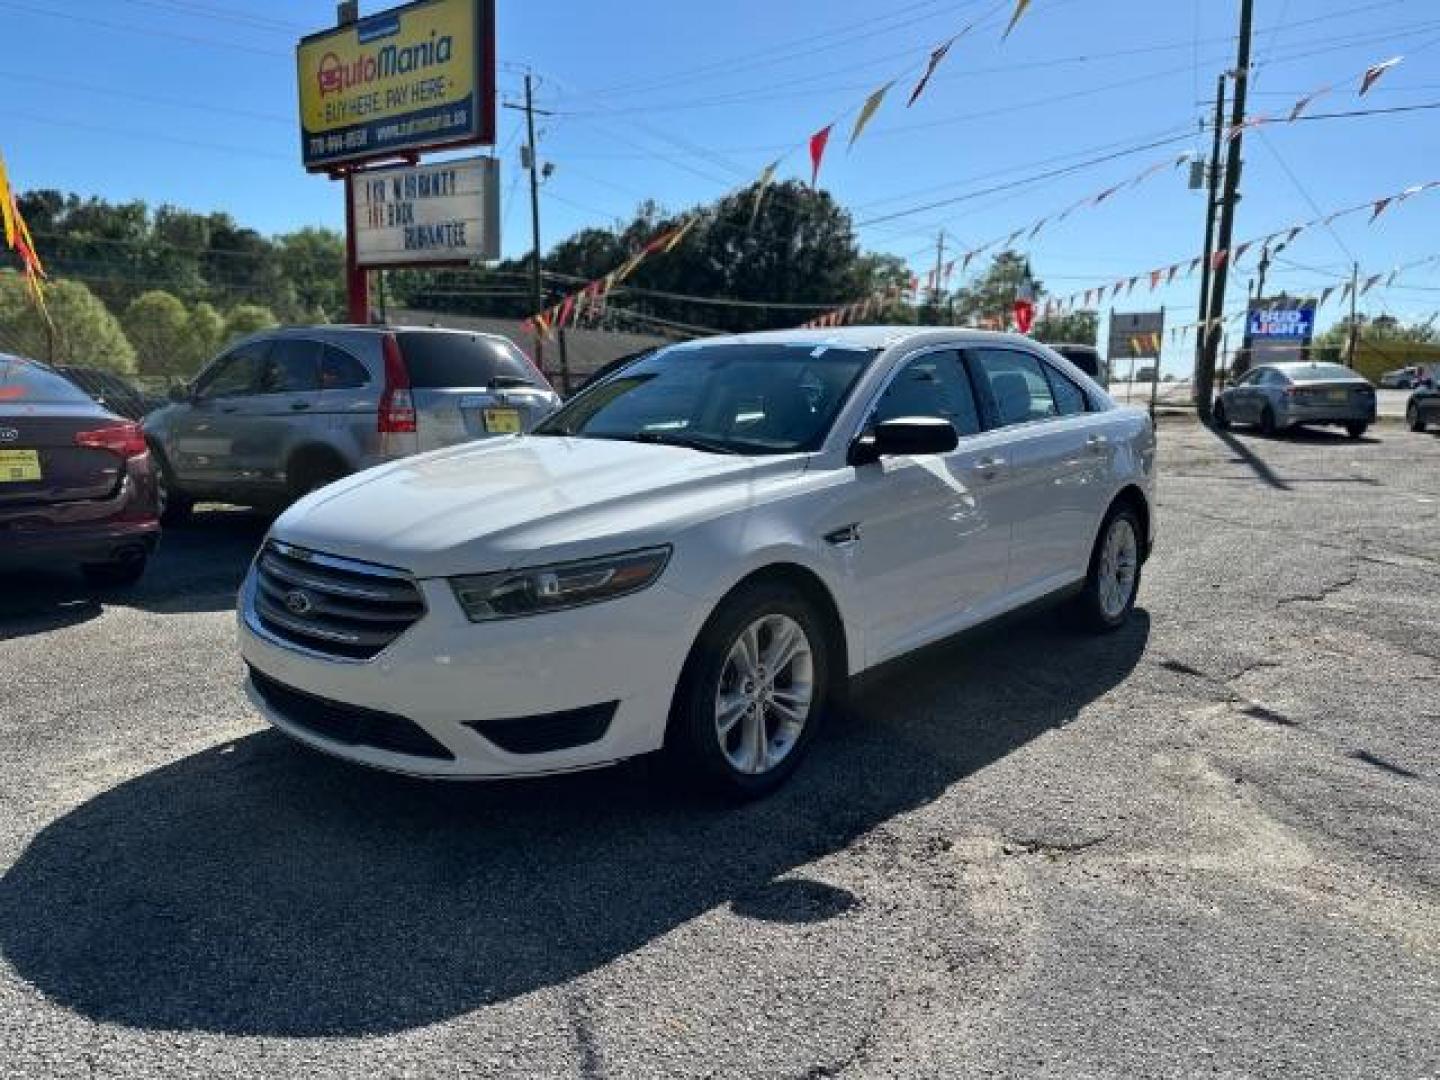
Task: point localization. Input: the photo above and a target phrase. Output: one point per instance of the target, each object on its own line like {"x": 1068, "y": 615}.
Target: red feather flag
{"x": 818, "y": 142}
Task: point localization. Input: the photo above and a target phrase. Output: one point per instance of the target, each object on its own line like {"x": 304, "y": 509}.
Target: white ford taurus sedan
{"x": 695, "y": 554}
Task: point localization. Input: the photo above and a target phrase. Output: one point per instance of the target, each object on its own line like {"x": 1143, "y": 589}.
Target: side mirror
{"x": 178, "y": 394}
{"x": 907, "y": 435}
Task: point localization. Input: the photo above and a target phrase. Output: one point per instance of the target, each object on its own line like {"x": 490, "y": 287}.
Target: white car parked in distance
{"x": 695, "y": 554}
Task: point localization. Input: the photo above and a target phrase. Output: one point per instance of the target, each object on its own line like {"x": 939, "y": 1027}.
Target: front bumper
{"x": 445, "y": 674}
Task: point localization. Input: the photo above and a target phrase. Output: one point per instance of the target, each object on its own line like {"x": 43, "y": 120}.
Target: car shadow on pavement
{"x": 198, "y": 567}
{"x": 261, "y": 889}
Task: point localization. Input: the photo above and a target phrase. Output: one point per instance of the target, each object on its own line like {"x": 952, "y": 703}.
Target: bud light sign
{"x": 1292, "y": 324}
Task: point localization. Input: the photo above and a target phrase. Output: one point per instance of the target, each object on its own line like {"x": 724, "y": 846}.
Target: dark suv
{"x": 286, "y": 411}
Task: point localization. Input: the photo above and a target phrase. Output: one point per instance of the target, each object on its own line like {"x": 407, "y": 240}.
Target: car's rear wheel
{"x": 116, "y": 572}
{"x": 1267, "y": 421}
{"x": 1113, "y": 580}
{"x": 1413, "y": 417}
{"x": 1222, "y": 415}
{"x": 1355, "y": 431}
{"x": 312, "y": 471}
{"x": 753, "y": 691}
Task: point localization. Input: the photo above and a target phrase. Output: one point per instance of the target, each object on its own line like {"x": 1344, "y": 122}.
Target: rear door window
{"x": 340, "y": 371}
{"x": 1069, "y": 398}
{"x": 1019, "y": 390}
{"x": 292, "y": 366}
{"x": 20, "y": 380}
{"x": 438, "y": 360}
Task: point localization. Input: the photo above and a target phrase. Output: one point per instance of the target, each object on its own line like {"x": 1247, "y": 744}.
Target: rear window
{"x": 1320, "y": 372}
{"x": 20, "y": 380}
{"x": 440, "y": 360}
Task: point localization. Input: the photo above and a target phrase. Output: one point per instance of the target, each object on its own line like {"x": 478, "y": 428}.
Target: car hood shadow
{"x": 262, "y": 890}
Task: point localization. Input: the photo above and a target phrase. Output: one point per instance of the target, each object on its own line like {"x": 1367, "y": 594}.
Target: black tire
{"x": 1413, "y": 417}
{"x": 1221, "y": 415}
{"x": 693, "y": 744}
{"x": 1356, "y": 431}
{"x": 312, "y": 471}
{"x": 1267, "y": 421}
{"x": 121, "y": 572}
{"x": 173, "y": 505}
{"x": 1090, "y": 611}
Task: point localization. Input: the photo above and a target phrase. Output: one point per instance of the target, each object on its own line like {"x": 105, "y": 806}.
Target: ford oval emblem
{"x": 298, "y": 602}
{"x": 8, "y": 434}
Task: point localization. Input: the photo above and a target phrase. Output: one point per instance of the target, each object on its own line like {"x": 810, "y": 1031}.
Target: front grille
{"x": 550, "y": 732}
{"x": 348, "y": 724}
{"x": 332, "y": 606}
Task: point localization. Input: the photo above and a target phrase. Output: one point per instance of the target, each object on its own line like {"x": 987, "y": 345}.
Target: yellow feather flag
{"x": 868, "y": 110}
{"x": 1020, "y": 6}
{"x": 6, "y": 214}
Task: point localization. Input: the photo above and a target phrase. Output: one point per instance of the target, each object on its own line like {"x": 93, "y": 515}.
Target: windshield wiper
{"x": 689, "y": 442}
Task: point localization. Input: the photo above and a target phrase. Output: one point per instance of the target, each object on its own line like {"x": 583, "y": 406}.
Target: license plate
{"x": 19, "y": 466}
{"x": 1338, "y": 395}
{"x": 502, "y": 421}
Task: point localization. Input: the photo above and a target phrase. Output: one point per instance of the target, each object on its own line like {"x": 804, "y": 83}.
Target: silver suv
{"x": 286, "y": 411}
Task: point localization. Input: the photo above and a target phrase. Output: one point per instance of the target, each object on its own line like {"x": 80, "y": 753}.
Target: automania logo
{"x": 335, "y": 76}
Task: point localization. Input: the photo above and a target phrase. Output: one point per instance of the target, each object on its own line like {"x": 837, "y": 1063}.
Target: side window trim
{"x": 236, "y": 353}
{"x": 271, "y": 354}
{"x": 1054, "y": 375}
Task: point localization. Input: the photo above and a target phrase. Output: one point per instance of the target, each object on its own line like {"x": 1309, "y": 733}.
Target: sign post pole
{"x": 357, "y": 278}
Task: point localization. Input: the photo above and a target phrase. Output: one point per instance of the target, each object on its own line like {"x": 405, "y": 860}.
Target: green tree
{"x": 1071, "y": 328}
{"x": 246, "y": 319}
{"x": 207, "y": 333}
{"x": 85, "y": 333}
{"x": 313, "y": 263}
{"x": 1380, "y": 329}
{"x": 158, "y": 326}
{"x": 992, "y": 294}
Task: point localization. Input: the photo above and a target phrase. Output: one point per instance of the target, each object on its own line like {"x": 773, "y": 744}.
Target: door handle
{"x": 298, "y": 405}
{"x": 228, "y": 408}
{"x": 1097, "y": 443}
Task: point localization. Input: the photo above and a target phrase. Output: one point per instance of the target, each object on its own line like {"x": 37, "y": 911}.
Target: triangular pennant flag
{"x": 965, "y": 262}
{"x": 1373, "y": 73}
{"x": 1370, "y": 283}
{"x": 1130, "y": 286}
{"x": 1391, "y": 279}
{"x": 1217, "y": 260}
{"x": 566, "y": 306}
{"x": 1294, "y": 232}
{"x": 1241, "y": 249}
{"x": 628, "y": 266}
{"x": 1013, "y": 237}
{"x": 1170, "y": 277}
{"x": 949, "y": 269}
{"x": 1088, "y": 294}
{"x": 761, "y": 186}
{"x": 817, "y": 151}
{"x": 1038, "y": 226}
{"x": 1098, "y": 199}
{"x": 1345, "y": 292}
{"x": 1020, "y": 6}
{"x": 1194, "y": 265}
{"x": 1304, "y": 103}
{"x": 934, "y": 62}
{"x": 1324, "y": 295}
{"x": 1155, "y": 276}
{"x": 868, "y": 110}
{"x": 1380, "y": 205}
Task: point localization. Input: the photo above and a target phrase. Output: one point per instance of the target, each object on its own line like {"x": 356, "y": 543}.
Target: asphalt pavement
{"x": 1208, "y": 845}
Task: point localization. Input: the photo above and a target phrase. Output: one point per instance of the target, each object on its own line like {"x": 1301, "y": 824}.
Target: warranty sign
{"x": 418, "y": 77}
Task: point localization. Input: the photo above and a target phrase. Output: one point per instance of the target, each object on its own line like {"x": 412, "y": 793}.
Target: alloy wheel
{"x": 765, "y": 695}
{"x": 1119, "y": 564}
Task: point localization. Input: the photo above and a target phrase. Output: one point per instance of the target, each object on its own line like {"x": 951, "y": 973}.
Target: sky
{"x": 192, "y": 102}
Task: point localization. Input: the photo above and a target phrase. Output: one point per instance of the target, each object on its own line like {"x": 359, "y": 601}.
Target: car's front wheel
{"x": 753, "y": 691}
{"x": 1357, "y": 430}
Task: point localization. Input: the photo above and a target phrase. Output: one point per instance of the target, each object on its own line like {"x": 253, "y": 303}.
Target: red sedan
{"x": 76, "y": 482}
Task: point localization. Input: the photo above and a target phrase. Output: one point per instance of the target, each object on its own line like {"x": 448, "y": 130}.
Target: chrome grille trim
{"x": 354, "y": 610}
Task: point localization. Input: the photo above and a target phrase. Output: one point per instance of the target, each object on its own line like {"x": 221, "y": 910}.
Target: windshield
{"x": 730, "y": 398}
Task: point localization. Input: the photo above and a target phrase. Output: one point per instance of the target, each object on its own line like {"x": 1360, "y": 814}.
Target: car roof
{"x": 868, "y": 337}
{"x": 373, "y": 328}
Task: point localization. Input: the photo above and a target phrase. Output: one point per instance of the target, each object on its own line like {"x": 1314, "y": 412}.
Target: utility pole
{"x": 1205, "y": 374}
{"x": 1211, "y": 190}
{"x": 537, "y": 293}
{"x": 1354, "y": 328}
{"x": 939, "y": 259}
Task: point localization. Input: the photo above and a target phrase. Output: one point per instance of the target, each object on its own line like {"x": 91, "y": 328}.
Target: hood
{"x": 500, "y": 503}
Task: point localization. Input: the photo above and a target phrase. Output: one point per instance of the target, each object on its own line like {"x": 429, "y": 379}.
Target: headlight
{"x": 512, "y": 593}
